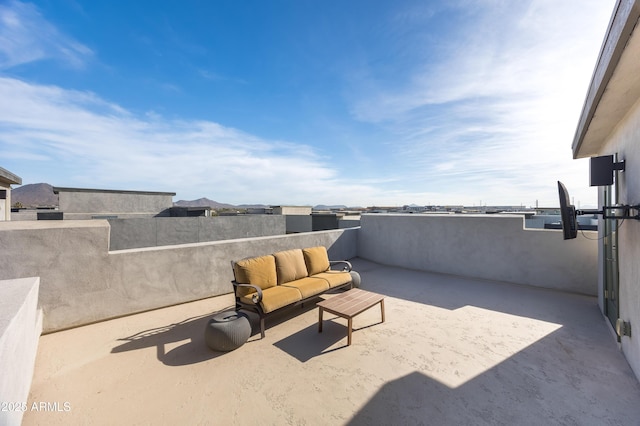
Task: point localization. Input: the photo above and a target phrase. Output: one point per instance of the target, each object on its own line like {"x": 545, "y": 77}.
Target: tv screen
{"x": 567, "y": 213}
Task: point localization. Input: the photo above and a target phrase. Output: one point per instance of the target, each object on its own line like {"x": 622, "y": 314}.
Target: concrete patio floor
{"x": 452, "y": 351}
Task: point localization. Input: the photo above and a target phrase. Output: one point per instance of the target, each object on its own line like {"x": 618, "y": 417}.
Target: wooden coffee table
{"x": 348, "y": 305}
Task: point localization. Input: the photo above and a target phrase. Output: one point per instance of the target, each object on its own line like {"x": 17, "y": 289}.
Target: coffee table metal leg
{"x": 320, "y": 319}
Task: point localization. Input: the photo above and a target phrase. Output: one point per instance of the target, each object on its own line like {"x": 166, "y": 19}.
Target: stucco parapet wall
{"x": 14, "y": 294}
{"x": 20, "y": 328}
{"x": 495, "y": 247}
{"x": 82, "y": 282}
{"x": 159, "y": 231}
{"x": 52, "y": 224}
{"x": 272, "y": 240}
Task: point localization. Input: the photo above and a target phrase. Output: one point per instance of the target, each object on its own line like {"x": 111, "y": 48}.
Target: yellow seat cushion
{"x": 290, "y": 265}
{"x": 259, "y": 271}
{"x": 308, "y": 286}
{"x": 334, "y": 278}
{"x": 276, "y": 297}
{"x": 316, "y": 259}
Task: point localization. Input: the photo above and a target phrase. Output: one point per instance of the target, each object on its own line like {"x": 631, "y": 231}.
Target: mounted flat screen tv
{"x": 567, "y": 213}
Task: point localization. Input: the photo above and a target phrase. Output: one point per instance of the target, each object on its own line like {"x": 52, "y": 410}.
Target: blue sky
{"x": 357, "y": 102}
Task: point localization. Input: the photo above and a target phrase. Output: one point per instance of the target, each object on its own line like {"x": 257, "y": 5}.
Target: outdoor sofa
{"x": 266, "y": 284}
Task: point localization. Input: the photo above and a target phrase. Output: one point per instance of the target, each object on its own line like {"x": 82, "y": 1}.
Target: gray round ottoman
{"x": 355, "y": 277}
{"x": 227, "y": 331}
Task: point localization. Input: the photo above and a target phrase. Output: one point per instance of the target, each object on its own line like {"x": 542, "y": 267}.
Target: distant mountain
{"x": 203, "y": 202}
{"x": 34, "y": 195}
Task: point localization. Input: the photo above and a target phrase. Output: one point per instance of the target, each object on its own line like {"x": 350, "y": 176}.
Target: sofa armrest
{"x": 347, "y": 265}
{"x": 256, "y": 297}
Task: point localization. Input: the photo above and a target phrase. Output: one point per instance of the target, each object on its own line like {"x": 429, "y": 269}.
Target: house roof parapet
{"x": 9, "y": 178}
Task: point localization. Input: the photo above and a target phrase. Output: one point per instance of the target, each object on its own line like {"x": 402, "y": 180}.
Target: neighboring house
{"x": 6, "y": 180}
{"x": 610, "y": 125}
{"x": 84, "y": 203}
{"x": 298, "y": 218}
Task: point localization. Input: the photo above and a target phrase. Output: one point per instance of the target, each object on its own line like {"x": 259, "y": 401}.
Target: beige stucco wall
{"x": 626, "y": 142}
{"x": 105, "y": 203}
{"x": 292, "y": 210}
{"x": 162, "y": 231}
{"x": 81, "y": 281}
{"x": 494, "y": 247}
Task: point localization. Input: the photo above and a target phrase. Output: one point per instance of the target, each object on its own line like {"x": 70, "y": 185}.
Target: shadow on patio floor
{"x": 191, "y": 330}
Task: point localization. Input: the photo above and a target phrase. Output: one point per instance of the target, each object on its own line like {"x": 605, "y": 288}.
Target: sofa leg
{"x": 262, "y": 327}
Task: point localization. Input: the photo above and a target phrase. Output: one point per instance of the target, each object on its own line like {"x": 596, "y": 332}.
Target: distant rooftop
{"x": 9, "y": 178}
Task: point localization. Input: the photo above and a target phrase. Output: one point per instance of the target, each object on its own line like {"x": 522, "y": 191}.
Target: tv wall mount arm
{"x": 615, "y": 212}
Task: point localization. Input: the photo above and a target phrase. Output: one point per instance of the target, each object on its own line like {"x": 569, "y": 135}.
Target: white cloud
{"x": 494, "y": 114}
{"x": 485, "y": 110}
{"x": 93, "y": 143}
{"x": 25, "y": 36}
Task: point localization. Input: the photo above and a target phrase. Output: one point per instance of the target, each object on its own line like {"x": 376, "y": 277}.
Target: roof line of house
{"x": 9, "y": 178}
{"x": 621, "y": 25}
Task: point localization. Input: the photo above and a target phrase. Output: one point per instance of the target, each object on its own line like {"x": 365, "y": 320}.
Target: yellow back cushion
{"x": 260, "y": 271}
{"x": 290, "y": 265}
{"x": 316, "y": 259}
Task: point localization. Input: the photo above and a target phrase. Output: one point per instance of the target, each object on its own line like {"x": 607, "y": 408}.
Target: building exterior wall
{"x": 298, "y": 223}
{"x": 6, "y": 180}
{"x": 5, "y": 202}
{"x": 481, "y": 246}
{"x": 292, "y": 210}
{"x": 25, "y": 215}
{"x": 107, "y": 202}
{"x": 349, "y": 222}
{"x": 161, "y": 231}
{"x": 324, "y": 221}
{"x": 81, "y": 281}
{"x": 625, "y": 142}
